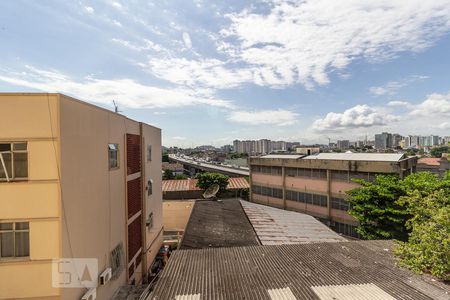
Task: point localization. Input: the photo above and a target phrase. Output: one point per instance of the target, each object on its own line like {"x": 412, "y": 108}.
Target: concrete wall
{"x": 93, "y": 197}
{"x": 34, "y": 119}
{"x": 176, "y": 214}
{"x": 153, "y": 203}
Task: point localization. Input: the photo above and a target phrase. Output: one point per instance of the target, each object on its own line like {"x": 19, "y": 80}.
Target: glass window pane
{"x": 20, "y": 165}
{"x": 7, "y": 244}
{"x": 22, "y": 225}
{"x": 20, "y": 146}
{"x": 7, "y": 160}
{"x": 22, "y": 244}
{"x": 5, "y": 147}
{"x": 6, "y": 226}
{"x": 149, "y": 152}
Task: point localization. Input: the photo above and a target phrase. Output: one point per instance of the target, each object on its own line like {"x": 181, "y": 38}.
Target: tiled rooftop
{"x": 191, "y": 184}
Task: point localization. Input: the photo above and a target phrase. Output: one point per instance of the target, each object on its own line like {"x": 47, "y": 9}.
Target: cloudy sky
{"x": 208, "y": 72}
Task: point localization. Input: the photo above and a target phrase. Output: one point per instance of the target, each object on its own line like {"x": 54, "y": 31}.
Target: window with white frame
{"x": 13, "y": 161}
{"x": 14, "y": 239}
{"x": 113, "y": 155}
{"x": 149, "y": 152}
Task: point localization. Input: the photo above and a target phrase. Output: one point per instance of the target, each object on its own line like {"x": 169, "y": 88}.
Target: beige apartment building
{"x": 76, "y": 181}
{"x": 316, "y": 184}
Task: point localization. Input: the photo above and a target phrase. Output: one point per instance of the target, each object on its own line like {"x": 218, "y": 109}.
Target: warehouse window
{"x": 14, "y": 239}
{"x": 13, "y": 161}
{"x": 113, "y": 154}
{"x": 339, "y": 203}
{"x": 149, "y": 187}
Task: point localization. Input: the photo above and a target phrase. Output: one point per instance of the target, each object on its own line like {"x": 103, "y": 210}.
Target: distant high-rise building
{"x": 383, "y": 140}
{"x": 343, "y": 144}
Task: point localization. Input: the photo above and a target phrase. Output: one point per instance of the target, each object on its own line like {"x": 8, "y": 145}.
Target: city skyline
{"x": 209, "y": 73}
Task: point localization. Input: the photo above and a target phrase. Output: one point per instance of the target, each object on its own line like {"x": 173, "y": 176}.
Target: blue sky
{"x": 208, "y": 72}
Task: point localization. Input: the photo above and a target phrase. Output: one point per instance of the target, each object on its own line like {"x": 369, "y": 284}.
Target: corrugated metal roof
{"x": 188, "y": 297}
{"x": 249, "y": 272}
{"x": 281, "y": 294}
{"x": 390, "y": 157}
{"x": 278, "y": 226}
{"x": 368, "y": 291}
{"x": 191, "y": 184}
{"x": 288, "y": 156}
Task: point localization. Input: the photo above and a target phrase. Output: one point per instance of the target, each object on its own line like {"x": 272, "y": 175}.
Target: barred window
{"x": 340, "y": 175}
{"x": 346, "y": 229}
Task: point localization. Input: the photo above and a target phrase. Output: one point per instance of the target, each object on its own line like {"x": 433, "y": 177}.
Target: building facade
{"x": 76, "y": 181}
{"x": 316, "y": 184}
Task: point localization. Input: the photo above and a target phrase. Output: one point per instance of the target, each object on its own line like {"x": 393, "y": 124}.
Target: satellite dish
{"x": 211, "y": 191}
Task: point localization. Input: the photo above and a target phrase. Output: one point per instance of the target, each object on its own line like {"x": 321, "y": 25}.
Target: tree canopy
{"x": 205, "y": 180}
{"x": 414, "y": 210}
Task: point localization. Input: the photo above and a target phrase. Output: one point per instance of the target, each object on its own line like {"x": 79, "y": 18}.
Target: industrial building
{"x": 316, "y": 184}
{"x": 76, "y": 182}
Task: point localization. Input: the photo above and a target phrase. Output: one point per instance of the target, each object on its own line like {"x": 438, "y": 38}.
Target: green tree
{"x": 165, "y": 157}
{"x": 180, "y": 177}
{"x": 437, "y": 152}
{"x": 381, "y": 206}
{"x": 205, "y": 180}
{"x": 167, "y": 175}
{"x": 375, "y": 206}
{"x": 428, "y": 246}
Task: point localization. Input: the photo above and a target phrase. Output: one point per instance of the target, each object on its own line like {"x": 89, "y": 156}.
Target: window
{"x": 149, "y": 187}
{"x": 149, "y": 152}
{"x": 149, "y": 221}
{"x": 14, "y": 239}
{"x": 113, "y": 154}
{"x": 117, "y": 260}
{"x": 13, "y": 161}
{"x": 339, "y": 203}
{"x": 267, "y": 191}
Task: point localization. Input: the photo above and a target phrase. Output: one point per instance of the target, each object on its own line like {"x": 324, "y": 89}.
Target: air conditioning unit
{"x": 91, "y": 294}
{"x": 105, "y": 276}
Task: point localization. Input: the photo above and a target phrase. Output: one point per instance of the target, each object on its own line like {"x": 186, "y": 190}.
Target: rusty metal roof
{"x": 183, "y": 185}
{"x": 431, "y": 161}
{"x": 302, "y": 271}
{"x": 278, "y": 226}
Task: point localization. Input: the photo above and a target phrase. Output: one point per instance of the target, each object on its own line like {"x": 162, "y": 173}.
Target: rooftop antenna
{"x": 211, "y": 191}
{"x": 116, "y": 107}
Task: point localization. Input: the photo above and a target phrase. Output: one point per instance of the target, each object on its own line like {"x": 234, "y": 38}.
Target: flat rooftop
{"x": 276, "y": 226}
{"x": 218, "y": 224}
{"x": 324, "y": 271}
{"x": 389, "y": 157}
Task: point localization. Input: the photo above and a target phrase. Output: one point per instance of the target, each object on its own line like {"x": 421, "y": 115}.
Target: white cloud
{"x": 148, "y": 45}
{"x": 89, "y": 9}
{"x": 179, "y": 138}
{"x": 358, "y": 116}
{"x": 117, "y": 23}
{"x": 117, "y": 5}
{"x": 199, "y": 73}
{"x": 392, "y": 86}
{"x": 302, "y": 42}
{"x": 126, "y": 92}
{"x": 434, "y": 106}
{"x": 187, "y": 40}
{"x": 444, "y": 125}
{"x": 278, "y": 117}
{"x": 399, "y": 103}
